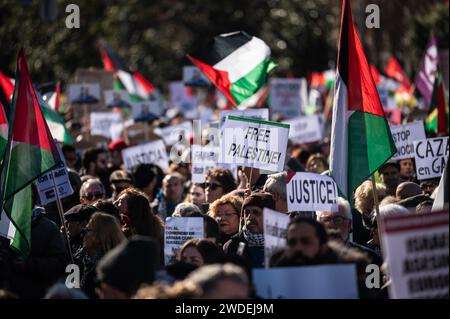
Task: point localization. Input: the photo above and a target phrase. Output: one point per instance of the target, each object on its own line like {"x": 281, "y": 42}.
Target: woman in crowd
{"x": 199, "y": 252}
{"x": 196, "y": 195}
{"x": 227, "y": 211}
{"x": 219, "y": 182}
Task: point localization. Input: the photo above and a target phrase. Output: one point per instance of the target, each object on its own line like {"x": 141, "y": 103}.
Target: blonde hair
{"x": 234, "y": 201}
{"x": 364, "y": 202}
{"x": 106, "y": 231}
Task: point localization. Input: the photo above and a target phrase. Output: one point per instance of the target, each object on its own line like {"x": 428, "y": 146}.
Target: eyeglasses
{"x": 212, "y": 186}
{"x": 226, "y": 215}
{"x": 91, "y": 196}
{"x": 336, "y": 220}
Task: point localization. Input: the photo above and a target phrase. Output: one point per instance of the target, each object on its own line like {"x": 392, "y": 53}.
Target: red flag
{"x": 395, "y": 71}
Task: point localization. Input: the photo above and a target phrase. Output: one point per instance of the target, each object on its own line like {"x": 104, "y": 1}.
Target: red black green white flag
{"x": 437, "y": 120}
{"x": 236, "y": 63}
{"x": 361, "y": 140}
{"x": 31, "y": 152}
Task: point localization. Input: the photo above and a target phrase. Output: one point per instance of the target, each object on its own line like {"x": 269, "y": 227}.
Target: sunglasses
{"x": 212, "y": 186}
{"x": 94, "y": 195}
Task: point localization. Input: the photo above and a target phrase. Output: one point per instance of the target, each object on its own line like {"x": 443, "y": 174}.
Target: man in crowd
{"x": 390, "y": 175}
{"x": 95, "y": 163}
{"x": 76, "y": 220}
{"x": 276, "y": 185}
{"x": 172, "y": 194}
{"x": 91, "y": 191}
{"x": 120, "y": 180}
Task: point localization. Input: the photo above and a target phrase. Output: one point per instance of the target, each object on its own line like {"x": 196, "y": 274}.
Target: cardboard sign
{"x": 178, "y": 230}
{"x": 307, "y": 282}
{"x": 101, "y": 122}
{"x": 431, "y": 155}
{"x": 275, "y": 228}
{"x": 182, "y": 98}
{"x": 305, "y": 129}
{"x": 287, "y": 96}
{"x": 404, "y": 137}
{"x": 254, "y": 143}
{"x": 416, "y": 247}
{"x": 258, "y": 114}
{"x": 45, "y": 186}
{"x": 150, "y": 153}
{"x": 175, "y": 133}
{"x": 84, "y": 93}
{"x": 192, "y": 76}
{"x": 311, "y": 192}
{"x": 117, "y": 98}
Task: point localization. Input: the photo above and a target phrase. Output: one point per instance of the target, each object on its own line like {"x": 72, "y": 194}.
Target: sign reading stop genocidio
{"x": 404, "y": 137}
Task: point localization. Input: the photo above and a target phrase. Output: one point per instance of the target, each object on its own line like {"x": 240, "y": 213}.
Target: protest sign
{"x": 404, "y": 137}
{"x": 192, "y": 76}
{"x": 204, "y": 158}
{"x": 175, "y": 133}
{"x": 307, "y": 282}
{"x": 46, "y": 188}
{"x": 431, "y": 155}
{"x": 258, "y": 114}
{"x": 275, "y": 227}
{"x": 254, "y": 143}
{"x": 178, "y": 230}
{"x": 305, "y": 129}
{"x": 117, "y": 98}
{"x": 151, "y": 153}
{"x": 416, "y": 247}
{"x": 311, "y": 192}
{"x": 287, "y": 96}
{"x": 101, "y": 122}
{"x": 84, "y": 93}
{"x": 182, "y": 98}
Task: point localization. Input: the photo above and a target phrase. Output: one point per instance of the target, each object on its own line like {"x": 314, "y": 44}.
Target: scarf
{"x": 253, "y": 239}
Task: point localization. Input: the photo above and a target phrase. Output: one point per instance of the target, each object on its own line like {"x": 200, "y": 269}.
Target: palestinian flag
{"x": 51, "y": 94}
{"x": 437, "y": 120}
{"x": 236, "y": 63}
{"x": 133, "y": 82}
{"x": 361, "y": 140}
{"x": 3, "y": 132}
{"x": 31, "y": 152}
{"x": 6, "y": 91}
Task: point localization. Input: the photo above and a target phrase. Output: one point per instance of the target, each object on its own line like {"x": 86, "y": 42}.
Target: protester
{"x": 171, "y": 195}
{"x": 197, "y": 195}
{"x": 120, "y": 180}
{"x": 199, "y": 252}
{"x": 95, "y": 163}
{"x": 146, "y": 178}
{"x": 407, "y": 170}
{"x": 227, "y": 211}
{"x": 100, "y": 235}
{"x": 407, "y": 189}
{"x": 107, "y": 207}
{"x": 91, "y": 191}
{"x": 71, "y": 157}
{"x": 316, "y": 163}
{"x": 390, "y": 175}
{"x": 249, "y": 242}
{"x": 76, "y": 220}
{"x": 276, "y": 185}
{"x": 219, "y": 182}
{"x": 115, "y": 149}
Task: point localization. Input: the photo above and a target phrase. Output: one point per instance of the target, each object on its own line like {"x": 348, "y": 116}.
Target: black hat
{"x": 81, "y": 212}
{"x": 120, "y": 176}
{"x": 390, "y": 163}
{"x": 259, "y": 199}
{"x": 130, "y": 264}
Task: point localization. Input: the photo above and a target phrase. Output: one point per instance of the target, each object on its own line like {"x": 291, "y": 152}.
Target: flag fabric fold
{"x": 31, "y": 152}
{"x": 438, "y": 118}
{"x": 236, "y": 63}
{"x": 361, "y": 140}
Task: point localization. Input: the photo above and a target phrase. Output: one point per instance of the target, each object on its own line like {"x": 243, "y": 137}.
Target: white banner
{"x": 404, "y": 137}
{"x": 254, "y": 143}
{"x": 311, "y": 192}
{"x": 101, "y": 122}
{"x": 204, "y": 158}
{"x": 416, "y": 248}
{"x": 151, "y": 153}
{"x": 307, "y": 282}
{"x": 178, "y": 230}
{"x": 175, "y": 133}
{"x": 46, "y": 189}
{"x": 431, "y": 156}
{"x": 287, "y": 96}
{"x": 305, "y": 129}
{"x": 258, "y": 114}
{"x": 275, "y": 228}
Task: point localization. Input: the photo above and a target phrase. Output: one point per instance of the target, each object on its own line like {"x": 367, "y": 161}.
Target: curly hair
{"x": 364, "y": 202}
{"x": 234, "y": 201}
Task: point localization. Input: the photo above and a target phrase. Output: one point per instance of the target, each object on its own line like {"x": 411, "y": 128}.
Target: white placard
{"x": 175, "y": 133}
{"x": 287, "y": 96}
{"x": 149, "y": 153}
{"x": 84, "y": 93}
{"x": 275, "y": 228}
{"x": 258, "y": 114}
{"x": 307, "y": 282}
{"x": 203, "y": 158}
{"x": 46, "y": 189}
{"x": 431, "y": 155}
{"x": 117, "y": 98}
{"x": 311, "y": 192}
{"x": 416, "y": 247}
{"x": 101, "y": 122}
{"x": 404, "y": 137}
{"x": 305, "y": 129}
{"x": 192, "y": 76}
{"x": 254, "y": 143}
{"x": 178, "y": 230}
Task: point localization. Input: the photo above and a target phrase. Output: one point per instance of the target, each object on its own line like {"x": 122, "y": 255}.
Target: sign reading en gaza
{"x": 416, "y": 247}
{"x": 404, "y": 137}
{"x": 431, "y": 155}
{"x": 150, "y": 153}
{"x": 254, "y": 143}
{"x": 311, "y": 192}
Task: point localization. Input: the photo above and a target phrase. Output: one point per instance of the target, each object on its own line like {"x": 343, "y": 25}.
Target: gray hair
{"x": 392, "y": 210}
{"x": 90, "y": 182}
{"x": 343, "y": 206}
{"x": 276, "y": 183}
{"x": 184, "y": 209}
{"x": 207, "y": 277}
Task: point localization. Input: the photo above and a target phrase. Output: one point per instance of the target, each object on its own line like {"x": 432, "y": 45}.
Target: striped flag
{"x": 236, "y": 63}
{"x": 361, "y": 140}
{"x": 437, "y": 119}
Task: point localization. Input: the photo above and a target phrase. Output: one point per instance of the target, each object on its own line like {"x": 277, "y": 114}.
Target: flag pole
{"x": 61, "y": 216}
